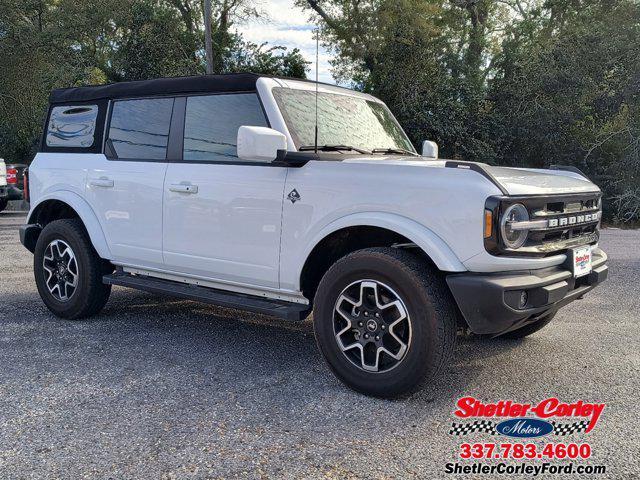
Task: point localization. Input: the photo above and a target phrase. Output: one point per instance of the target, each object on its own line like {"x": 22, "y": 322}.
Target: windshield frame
{"x": 275, "y": 92}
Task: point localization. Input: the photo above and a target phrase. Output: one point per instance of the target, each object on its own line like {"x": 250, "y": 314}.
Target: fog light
{"x": 524, "y": 298}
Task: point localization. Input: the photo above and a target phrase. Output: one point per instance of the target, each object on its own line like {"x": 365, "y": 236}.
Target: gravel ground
{"x": 158, "y": 388}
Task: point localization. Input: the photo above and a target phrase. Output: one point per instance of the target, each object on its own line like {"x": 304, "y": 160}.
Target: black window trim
{"x": 176, "y": 130}
{"x": 98, "y": 135}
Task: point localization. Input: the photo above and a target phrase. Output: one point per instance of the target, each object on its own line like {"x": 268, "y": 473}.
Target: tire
{"x": 3, "y": 204}
{"x": 428, "y": 331}
{"x": 529, "y": 329}
{"x": 89, "y": 295}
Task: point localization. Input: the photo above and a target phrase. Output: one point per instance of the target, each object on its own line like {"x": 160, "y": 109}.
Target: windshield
{"x": 342, "y": 120}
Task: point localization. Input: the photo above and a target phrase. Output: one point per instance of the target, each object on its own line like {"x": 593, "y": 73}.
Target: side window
{"x": 139, "y": 129}
{"x": 72, "y": 126}
{"x": 212, "y": 123}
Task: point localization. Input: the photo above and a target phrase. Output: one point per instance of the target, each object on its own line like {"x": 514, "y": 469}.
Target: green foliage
{"x": 515, "y": 82}
{"x": 46, "y": 44}
{"x": 570, "y": 96}
{"x": 250, "y": 57}
{"x": 152, "y": 42}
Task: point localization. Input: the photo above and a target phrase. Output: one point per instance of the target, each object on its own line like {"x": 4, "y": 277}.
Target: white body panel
{"x": 229, "y": 229}
{"x": 232, "y": 226}
{"x": 127, "y": 199}
{"x": 60, "y": 176}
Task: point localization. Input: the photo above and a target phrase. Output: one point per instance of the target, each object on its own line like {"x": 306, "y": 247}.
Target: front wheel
{"x": 68, "y": 271}
{"x": 384, "y": 321}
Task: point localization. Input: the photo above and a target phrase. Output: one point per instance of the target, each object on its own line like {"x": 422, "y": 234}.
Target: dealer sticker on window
{"x": 581, "y": 261}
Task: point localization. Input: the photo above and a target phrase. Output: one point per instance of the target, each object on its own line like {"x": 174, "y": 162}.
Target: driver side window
{"x": 212, "y": 123}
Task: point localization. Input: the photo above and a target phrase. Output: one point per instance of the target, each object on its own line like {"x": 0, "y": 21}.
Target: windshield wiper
{"x": 332, "y": 148}
{"x": 401, "y": 151}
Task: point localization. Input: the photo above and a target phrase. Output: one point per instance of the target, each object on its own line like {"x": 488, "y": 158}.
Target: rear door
{"x": 222, "y": 216}
{"x": 125, "y": 187}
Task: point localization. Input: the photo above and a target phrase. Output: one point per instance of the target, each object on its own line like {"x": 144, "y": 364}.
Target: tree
{"x": 416, "y": 55}
{"x": 567, "y": 92}
{"x": 515, "y": 82}
{"x": 153, "y": 42}
{"x": 46, "y": 44}
{"x": 250, "y": 57}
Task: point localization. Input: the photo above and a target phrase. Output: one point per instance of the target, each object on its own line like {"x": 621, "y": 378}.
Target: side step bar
{"x": 266, "y": 306}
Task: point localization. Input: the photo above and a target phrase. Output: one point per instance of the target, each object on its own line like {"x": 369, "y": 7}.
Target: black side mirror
{"x": 293, "y": 159}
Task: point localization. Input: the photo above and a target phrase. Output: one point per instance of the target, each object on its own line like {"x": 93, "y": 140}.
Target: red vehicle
{"x": 14, "y": 189}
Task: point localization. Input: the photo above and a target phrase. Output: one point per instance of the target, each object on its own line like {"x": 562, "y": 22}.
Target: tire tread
{"x": 427, "y": 279}
{"x": 97, "y": 293}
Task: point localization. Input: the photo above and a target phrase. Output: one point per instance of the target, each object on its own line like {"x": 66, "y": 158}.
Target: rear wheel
{"x": 3, "y": 204}
{"x": 531, "y": 328}
{"x": 68, "y": 271}
{"x": 384, "y": 321}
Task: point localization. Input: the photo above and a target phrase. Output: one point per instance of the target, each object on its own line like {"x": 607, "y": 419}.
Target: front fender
{"x": 423, "y": 237}
{"x": 86, "y": 214}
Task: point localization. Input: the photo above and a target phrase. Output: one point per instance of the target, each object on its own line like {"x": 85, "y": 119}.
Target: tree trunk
{"x": 478, "y": 14}
{"x": 207, "y": 36}
{"x": 222, "y": 38}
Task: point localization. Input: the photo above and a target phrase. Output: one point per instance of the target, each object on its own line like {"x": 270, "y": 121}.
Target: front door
{"x": 125, "y": 186}
{"x": 222, "y": 217}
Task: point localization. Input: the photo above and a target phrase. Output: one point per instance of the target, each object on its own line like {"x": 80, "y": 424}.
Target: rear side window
{"x": 212, "y": 123}
{"x": 72, "y": 126}
{"x": 139, "y": 129}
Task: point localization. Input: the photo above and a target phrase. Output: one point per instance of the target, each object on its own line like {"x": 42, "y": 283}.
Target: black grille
{"x": 564, "y": 234}
{"x": 569, "y": 223}
{"x": 555, "y": 239}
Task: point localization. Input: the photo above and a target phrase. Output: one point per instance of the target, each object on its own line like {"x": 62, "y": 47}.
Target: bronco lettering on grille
{"x": 573, "y": 220}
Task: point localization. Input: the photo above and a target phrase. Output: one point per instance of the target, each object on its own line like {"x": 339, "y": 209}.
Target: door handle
{"x": 103, "y": 182}
{"x": 183, "y": 188}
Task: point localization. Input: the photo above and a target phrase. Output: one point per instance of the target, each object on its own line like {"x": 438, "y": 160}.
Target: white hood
{"x": 529, "y": 181}
{"x": 516, "y": 181}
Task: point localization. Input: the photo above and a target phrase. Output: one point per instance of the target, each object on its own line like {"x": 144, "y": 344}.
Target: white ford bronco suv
{"x": 284, "y": 197}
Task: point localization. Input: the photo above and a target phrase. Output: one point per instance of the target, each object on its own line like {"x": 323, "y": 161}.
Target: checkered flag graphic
{"x": 484, "y": 426}
{"x": 563, "y": 429}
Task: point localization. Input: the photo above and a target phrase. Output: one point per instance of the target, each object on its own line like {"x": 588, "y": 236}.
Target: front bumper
{"x": 490, "y": 302}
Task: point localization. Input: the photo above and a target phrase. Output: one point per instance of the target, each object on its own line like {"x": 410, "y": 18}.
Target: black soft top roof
{"x": 235, "y": 82}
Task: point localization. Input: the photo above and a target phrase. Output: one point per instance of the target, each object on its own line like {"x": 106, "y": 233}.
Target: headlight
{"x": 514, "y": 239}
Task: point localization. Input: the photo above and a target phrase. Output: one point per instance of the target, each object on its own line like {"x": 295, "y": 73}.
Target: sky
{"x": 287, "y": 25}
